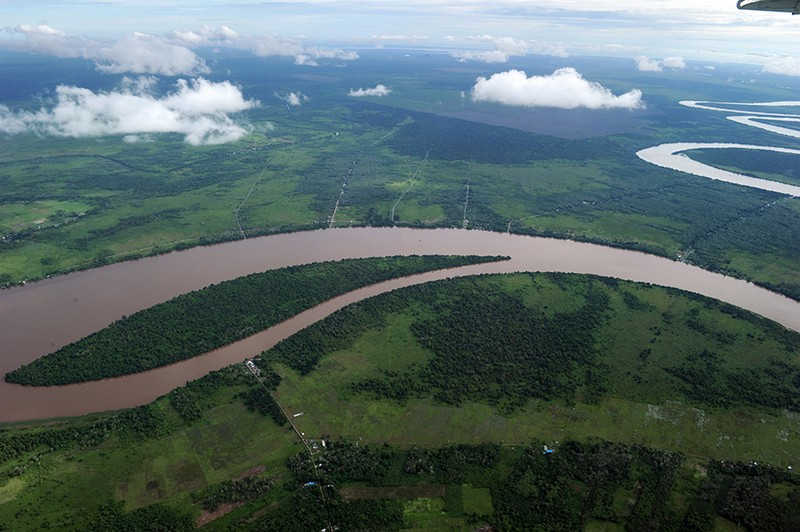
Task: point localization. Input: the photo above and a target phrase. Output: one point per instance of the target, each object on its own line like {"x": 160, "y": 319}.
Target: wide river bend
{"x": 40, "y": 317}
{"x": 671, "y": 155}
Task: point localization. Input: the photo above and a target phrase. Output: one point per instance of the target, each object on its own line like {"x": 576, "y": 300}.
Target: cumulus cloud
{"x": 400, "y": 38}
{"x": 137, "y": 53}
{"x": 262, "y": 45}
{"x": 553, "y": 49}
{"x": 44, "y": 39}
{"x": 170, "y": 54}
{"x": 565, "y": 88}
{"x": 146, "y": 54}
{"x": 205, "y": 35}
{"x": 645, "y": 64}
{"x": 675, "y": 63}
{"x": 293, "y": 98}
{"x": 139, "y": 84}
{"x": 11, "y": 123}
{"x": 198, "y": 109}
{"x": 493, "y": 56}
{"x": 787, "y": 66}
{"x": 378, "y": 90}
{"x": 505, "y": 48}
{"x": 311, "y": 56}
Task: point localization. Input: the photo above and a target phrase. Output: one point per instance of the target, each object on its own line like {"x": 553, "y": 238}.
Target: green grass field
{"x": 642, "y": 405}
{"x": 56, "y": 490}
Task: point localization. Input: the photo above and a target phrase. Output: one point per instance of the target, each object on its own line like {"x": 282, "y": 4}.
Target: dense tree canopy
{"x": 203, "y": 320}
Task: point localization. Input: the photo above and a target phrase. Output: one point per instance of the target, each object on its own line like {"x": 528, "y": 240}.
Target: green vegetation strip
{"x": 507, "y": 340}
{"x": 200, "y": 321}
{"x": 624, "y": 487}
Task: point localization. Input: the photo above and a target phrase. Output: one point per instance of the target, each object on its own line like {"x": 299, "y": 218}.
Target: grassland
{"x": 639, "y": 348}
{"x": 56, "y": 490}
{"x": 175, "y": 463}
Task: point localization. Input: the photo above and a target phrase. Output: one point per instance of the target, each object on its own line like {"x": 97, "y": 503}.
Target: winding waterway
{"x": 671, "y": 155}
{"x": 38, "y": 318}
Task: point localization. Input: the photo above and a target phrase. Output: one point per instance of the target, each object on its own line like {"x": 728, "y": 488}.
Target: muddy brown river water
{"x": 41, "y": 317}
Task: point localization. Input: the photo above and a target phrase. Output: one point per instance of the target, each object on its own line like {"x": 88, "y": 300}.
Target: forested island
{"x": 203, "y": 320}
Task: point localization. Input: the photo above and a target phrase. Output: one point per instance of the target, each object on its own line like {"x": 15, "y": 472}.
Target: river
{"x": 41, "y": 317}
{"x": 670, "y": 155}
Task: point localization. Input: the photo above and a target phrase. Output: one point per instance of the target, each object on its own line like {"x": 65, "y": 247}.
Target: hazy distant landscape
{"x": 102, "y": 200}
{"x": 521, "y": 401}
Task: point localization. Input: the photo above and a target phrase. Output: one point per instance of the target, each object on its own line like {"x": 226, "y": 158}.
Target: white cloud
{"x": 378, "y": 90}
{"x": 139, "y": 84}
{"x": 304, "y": 60}
{"x": 493, "y": 56}
{"x": 136, "y": 53}
{"x": 787, "y": 66}
{"x": 206, "y": 35}
{"x": 505, "y": 48}
{"x": 44, "y": 39}
{"x": 675, "y": 63}
{"x": 293, "y": 98}
{"x": 10, "y": 123}
{"x": 40, "y": 29}
{"x": 548, "y": 48}
{"x": 262, "y": 45}
{"x": 565, "y": 88}
{"x": 170, "y": 54}
{"x": 331, "y": 53}
{"x": 712, "y": 30}
{"x": 400, "y": 38}
{"x": 146, "y": 54}
{"x": 645, "y": 64}
{"x": 311, "y": 56}
{"x": 199, "y": 110}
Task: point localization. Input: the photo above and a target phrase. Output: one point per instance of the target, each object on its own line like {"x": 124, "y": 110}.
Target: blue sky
{"x": 711, "y": 30}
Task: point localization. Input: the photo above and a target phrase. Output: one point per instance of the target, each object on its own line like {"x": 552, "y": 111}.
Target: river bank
{"x": 40, "y": 317}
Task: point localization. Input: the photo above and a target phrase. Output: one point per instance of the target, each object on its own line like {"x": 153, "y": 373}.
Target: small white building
{"x": 252, "y": 366}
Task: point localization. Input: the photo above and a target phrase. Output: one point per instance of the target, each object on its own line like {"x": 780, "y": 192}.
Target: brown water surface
{"x": 41, "y": 317}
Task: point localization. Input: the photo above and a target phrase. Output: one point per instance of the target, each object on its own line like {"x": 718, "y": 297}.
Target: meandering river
{"x": 41, "y": 317}
{"x": 671, "y": 155}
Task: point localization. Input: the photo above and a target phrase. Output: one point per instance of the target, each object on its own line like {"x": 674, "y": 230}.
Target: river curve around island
{"x": 38, "y": 318}
{"x": 671, "y": 155}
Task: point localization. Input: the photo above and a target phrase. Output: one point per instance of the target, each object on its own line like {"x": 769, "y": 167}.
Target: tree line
{"x": 204, "y": 320}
